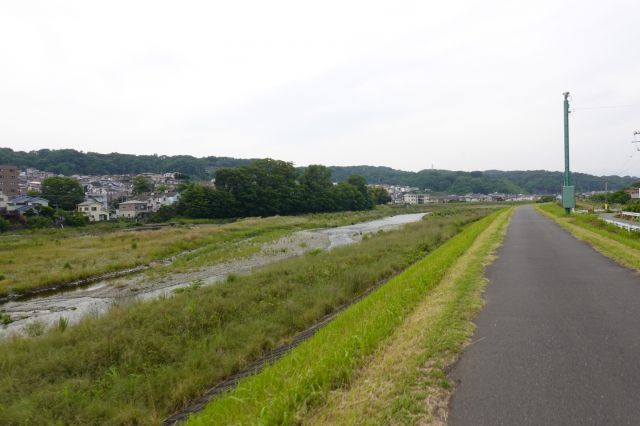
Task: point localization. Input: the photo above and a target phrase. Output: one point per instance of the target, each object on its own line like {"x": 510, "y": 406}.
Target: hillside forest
{"x": 70, "y": 162}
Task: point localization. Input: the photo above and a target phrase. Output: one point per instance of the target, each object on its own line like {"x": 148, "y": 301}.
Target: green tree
{"x": 620, "y": 197}
{"x": 348, "y": 197}
{"x": 263, "y": 188}
{"x": 199, "y": 201}
{"x": 62, "y": 192}
{"x": 141, "y": 185}
{"x": 38, "y": 222}
{"x": 379, "y": 195}
{"x": 45, "y": 211}
{"x": 360, "y": 183}
{"x": 164, "y": 214}
{"x": 316, "y": 189}
{"x": 74, "y": 218}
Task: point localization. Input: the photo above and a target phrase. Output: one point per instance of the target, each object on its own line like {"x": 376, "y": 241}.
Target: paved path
{"x": 558, "y": 341}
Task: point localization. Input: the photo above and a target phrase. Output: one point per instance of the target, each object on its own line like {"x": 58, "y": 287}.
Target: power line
{"x": 606, "y": 106}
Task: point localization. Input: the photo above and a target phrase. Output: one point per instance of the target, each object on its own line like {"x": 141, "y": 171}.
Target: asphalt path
{"x": 558, "y": 341}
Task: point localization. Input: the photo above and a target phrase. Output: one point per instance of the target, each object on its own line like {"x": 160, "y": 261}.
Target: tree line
{"x": 271, "y": 187}
{"x": 72, "y": 162}
{"x": 484, "y": 182}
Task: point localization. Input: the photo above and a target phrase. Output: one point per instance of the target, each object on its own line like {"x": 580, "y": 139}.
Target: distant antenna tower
{"x": 636, "y": 138}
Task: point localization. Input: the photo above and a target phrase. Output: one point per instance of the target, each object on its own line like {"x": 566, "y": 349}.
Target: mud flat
{"x": 98, "y": 297}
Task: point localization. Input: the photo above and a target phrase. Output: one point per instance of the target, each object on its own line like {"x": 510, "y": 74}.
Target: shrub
{"x": 4, "y": 224}
{"x": 35, "y": 328}
{"x": 73, "y": 218}
{"x": 38, "y": 222}
{"x": 5, "y": 318}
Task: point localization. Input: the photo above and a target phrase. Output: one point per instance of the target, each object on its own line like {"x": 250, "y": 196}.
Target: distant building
{"x": 23, "y": 203}
{"x": 9, "y": 181}
{"x": 476, "y": 198}
{"x": 633, "y": 192}
{"x": 133, "y": 209}
{"x": 95, "y": 211}
{"x": 417, "y": 198}
{"x": 159, "y": 199}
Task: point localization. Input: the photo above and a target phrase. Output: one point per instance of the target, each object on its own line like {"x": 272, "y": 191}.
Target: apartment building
{"x": 9, "y": 182}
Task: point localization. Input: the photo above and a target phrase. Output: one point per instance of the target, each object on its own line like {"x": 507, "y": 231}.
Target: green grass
{"x": 443, "y": 341}
{"x": 142, "y": 361}
{"x": 304, "y": 378}
{"x": 36, "y": 259}
{"x": 618, "y": 244}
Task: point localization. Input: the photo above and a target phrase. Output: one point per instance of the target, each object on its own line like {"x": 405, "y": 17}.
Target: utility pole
{"x": 568, "y": 191}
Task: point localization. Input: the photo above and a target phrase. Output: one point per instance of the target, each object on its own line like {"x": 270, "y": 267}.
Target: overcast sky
{"x": 462, "y": 85}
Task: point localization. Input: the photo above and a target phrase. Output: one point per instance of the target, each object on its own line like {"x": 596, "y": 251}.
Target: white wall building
{"x": 95, "y": 211}
{"x": 417, "y": 198}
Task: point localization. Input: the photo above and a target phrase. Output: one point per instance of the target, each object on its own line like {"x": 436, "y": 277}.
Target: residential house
{"x": 23, "y": 203}
{"x": 166, "y": 198}
{"x": 95, "y": 211}
{"x": 133, "y": 209}
{"x": 446, "y": 199}
{"x": 476, "y": 198}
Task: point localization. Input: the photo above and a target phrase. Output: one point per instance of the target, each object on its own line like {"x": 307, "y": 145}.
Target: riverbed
{"x": 97, "y": 298}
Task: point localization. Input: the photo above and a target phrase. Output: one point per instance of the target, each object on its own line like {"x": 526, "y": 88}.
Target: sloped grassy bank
{"x": 281, "y": 394}
{"x": 141, "y": 362}
{"x": 405, "y": 381}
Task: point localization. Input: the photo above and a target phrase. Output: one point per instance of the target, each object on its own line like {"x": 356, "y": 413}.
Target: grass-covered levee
{"x": 142, "y": 361}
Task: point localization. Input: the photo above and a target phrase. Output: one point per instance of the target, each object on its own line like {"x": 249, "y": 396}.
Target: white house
{"x": 157, "y": 200}
{"x": 95, "y": 211}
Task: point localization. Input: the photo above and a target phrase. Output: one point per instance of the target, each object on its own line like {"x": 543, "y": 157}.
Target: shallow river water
{"x": 97, "y": 298}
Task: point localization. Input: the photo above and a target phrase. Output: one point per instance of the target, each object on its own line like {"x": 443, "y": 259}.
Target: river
{"x": 97, "y": 298}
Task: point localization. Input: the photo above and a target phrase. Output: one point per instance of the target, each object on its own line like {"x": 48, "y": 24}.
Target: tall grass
{"x": 591, "y": 222}
{"x": 305, "y": 377}
{"x": 37, "y": 259}
{"x": 141, "y": 362}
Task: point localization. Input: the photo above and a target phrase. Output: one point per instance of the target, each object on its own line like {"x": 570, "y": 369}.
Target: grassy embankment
{"x": 349, "y": 371}
{"x": 42, "y": 258}
{"x": 140, "y": 362}
{"x": 618, "y": 244}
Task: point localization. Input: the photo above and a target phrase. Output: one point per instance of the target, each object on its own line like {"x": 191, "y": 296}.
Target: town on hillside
{"x": 106, "y": 197}
{"x": 114, "y": 197}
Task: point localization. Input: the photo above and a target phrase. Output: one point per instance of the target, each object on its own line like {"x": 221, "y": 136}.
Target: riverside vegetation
{"x": 142, "y": 361}
{"x": 51, "y": 257}
{"x": 291, "y": 390}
